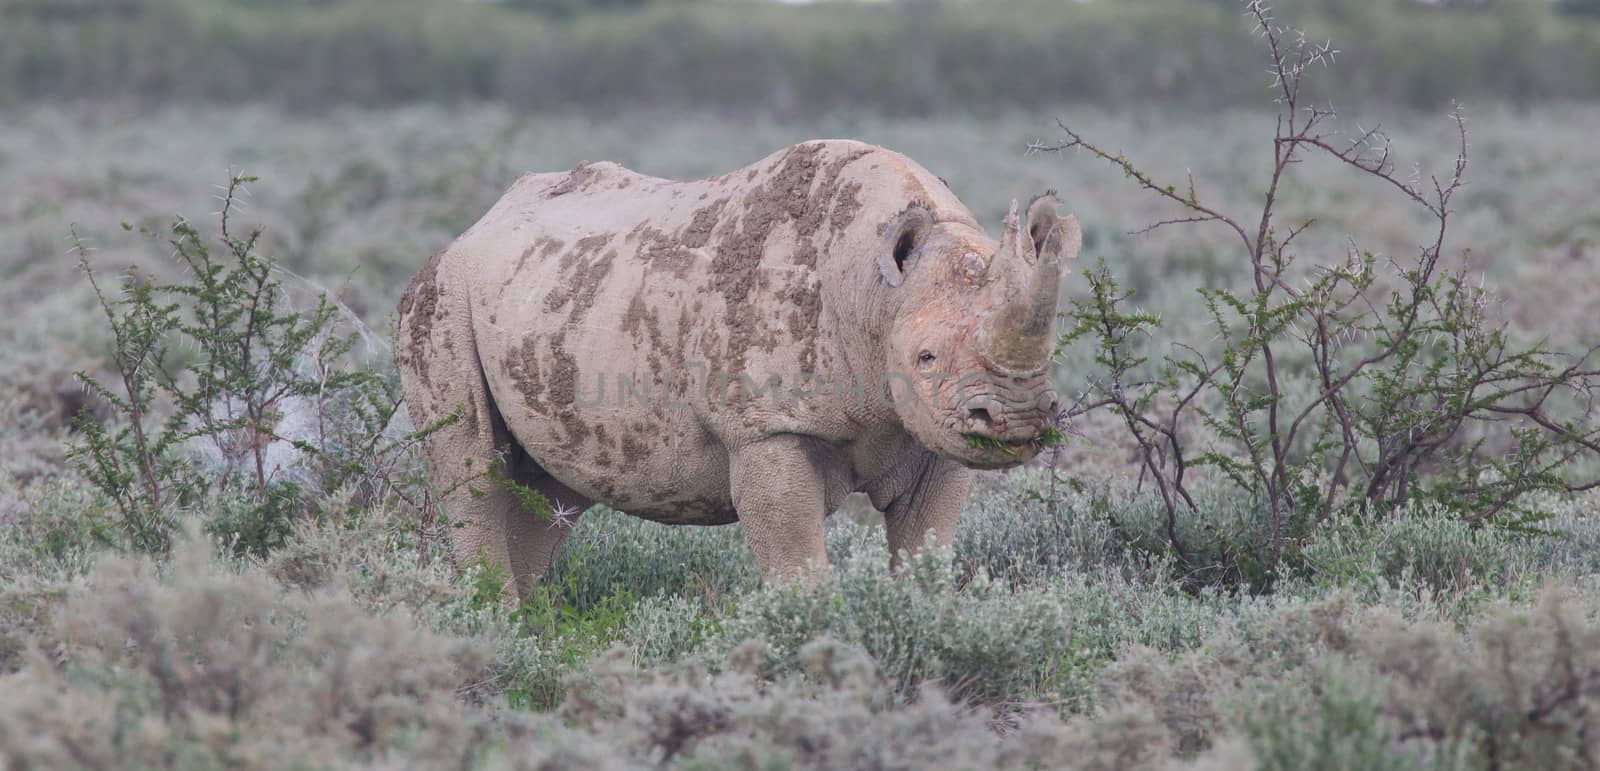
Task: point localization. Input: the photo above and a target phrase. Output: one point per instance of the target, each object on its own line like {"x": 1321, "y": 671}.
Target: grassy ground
{"x": 1047, "y": 641}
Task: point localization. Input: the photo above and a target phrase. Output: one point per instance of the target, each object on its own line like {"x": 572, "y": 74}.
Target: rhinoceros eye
{"x": 926, "y": 357}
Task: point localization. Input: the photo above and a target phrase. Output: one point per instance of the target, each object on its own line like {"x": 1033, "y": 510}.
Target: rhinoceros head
{"x": 974, "y": 330}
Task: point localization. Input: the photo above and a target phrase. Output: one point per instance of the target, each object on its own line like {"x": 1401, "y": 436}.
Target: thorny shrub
{"x": 225, "y": 394}
{"x": 1327, "y": 390}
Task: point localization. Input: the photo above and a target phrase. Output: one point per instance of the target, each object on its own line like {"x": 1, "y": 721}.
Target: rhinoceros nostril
{"x": 981, "y": 415}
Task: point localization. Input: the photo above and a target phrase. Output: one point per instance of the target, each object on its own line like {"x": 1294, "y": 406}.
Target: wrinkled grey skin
{"x": 894, "y": 326}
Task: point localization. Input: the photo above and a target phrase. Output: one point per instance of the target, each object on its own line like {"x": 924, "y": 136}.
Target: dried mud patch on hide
{"x": 634, "y": 451}
{"x": 800, "y": 190}
{"x": 813, "y": 209}
{"x": 633, "y": 317}
{"x": 698, "y": 233}
{"x": 563, "y": 376}
{"x": 419, "y": 308}
{"x": 602, "y": 439}
{"x": 588, "y": 285}
{"x": 845, "y": 208}
{"x": 643, "y": 325}
{"x": 804, "y": 295}
{"x": 578, "y": 179}
{"x": 583, "y": 248}
{"x": 563, "y": 389}
{"x": 544, "y": 247}
{"x": 805, "y": 254}
{"x": 523, "y": 369}
{"x": 661, "y": 253}
{"x": 580, "y": 277}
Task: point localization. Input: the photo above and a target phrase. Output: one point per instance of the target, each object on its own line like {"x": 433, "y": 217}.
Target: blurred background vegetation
{"x": 912, "y": 57}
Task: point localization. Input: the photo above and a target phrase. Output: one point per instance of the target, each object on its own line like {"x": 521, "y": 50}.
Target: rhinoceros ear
{"x": 902, "y": 238}
{"x": 1049, "y": 233}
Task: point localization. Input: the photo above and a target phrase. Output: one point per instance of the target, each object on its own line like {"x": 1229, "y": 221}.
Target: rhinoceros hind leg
{"x": 468, "y": 438}
{"x": 533, "y": 539}
{"x": 779, "y": 494}
{"x": 489, "y": 522}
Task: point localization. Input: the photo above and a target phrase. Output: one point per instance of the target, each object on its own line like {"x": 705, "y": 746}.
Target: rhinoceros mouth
{"x": 1014, "y": 448}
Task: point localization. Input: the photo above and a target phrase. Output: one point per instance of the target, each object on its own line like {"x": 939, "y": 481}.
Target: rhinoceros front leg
{"x": 779, "y": 494}
{"x": 933, "y": 502}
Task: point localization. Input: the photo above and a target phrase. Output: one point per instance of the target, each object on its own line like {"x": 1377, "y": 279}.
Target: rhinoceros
{"x": 751, "y": 347}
